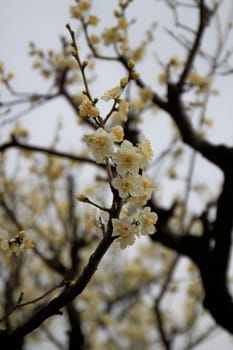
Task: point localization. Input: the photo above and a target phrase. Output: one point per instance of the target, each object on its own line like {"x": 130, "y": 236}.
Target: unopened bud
{"x": 135, "y": 75}
{"x": 85, "y": 63}
{"x": 82, "y": 198}
{"x": 131, "y": 64}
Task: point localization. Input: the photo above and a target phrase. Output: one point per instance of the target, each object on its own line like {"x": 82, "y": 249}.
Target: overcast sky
{"x": 43, "y": 22}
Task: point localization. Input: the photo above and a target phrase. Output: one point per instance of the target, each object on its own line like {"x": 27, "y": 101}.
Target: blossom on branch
{"x": 112, "y": 94}
{"x": 148, "y": 220}
{"x": 100, "y": 144}
{"x": 87, "y": 109}
{"x": 128, "y": 185}
{"x": 127, "y": 159}
{"x": 126, "y": 230}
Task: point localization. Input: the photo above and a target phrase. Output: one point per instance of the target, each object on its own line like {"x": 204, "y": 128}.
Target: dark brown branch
{"x": 210, "y": 253}
{"x": 166, "y": 340}
{"x": 69, "y": 294}
{"x": 204, "y": 18}
{"x": 219, "y": 155}
{"x": 76, "y": 336}
{"x": 14, "y": 143}
{"x": 20, "y": 304}
{"x": 53, "y": 263}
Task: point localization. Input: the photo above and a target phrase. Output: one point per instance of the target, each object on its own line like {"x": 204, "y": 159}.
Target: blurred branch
{"x": 11, "y": 213}
{"x": 69, "y": 294}
{"x": 204, "y": 18}
{"x": 52, "y": 338}
{"x": 166, "y": 340}
{"x": 14, "y": 143}
{"x": 20, "y": 304}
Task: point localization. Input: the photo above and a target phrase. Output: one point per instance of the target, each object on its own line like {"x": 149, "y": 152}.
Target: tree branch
{"x": 69, "y": 294}
{"x": 14, "y": 143}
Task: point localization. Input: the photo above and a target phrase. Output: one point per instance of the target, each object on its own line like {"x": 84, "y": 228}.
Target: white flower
{"x": 112, "y": 94}
{"x": 126, "y": 230}
{"x": 128, "y": 185}
{"x": 148, "y": 188}
{"x": 100, "y": 144}
{"x": 138, "y": 202}
{"x": 148, "y": 220}
{"x": 127, "y": 159}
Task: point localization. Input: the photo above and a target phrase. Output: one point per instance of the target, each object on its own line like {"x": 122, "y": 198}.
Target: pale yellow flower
{"x": 202, "y": 82}
{"x": 112, "y": 94}
{"x": 122, "y": 113}
{"x": 93, "y": 20}
{"x": 123, "y": 110}
{"x": 146, "y": 150}
{"x": 148, "y": 186}
{"x": 122, "y": 23}
{"x": 118, "y": 133}
{"x": 128, "y": 185}
{"x": 100, "y": 144}
{"x": 138, "y": 54}
{"x": 87, "y": 109}
{"x": 195, "y": 78}
{"x": 75, "y": 12}
{"x": 94, "y": 39}
{"x": 127, "y": 159}
{"x": 125, "y": 230}
{"x": 196, "y": 228}
{"x": 139, "y": 202}
{"x": 148, "y": 220}
{"x": 110, "y": 36}
{"x": 84, "y": 5}
{"x": 146, "y": 94}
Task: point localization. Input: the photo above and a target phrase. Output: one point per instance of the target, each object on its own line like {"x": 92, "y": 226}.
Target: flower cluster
{"x": 135, "y": 189}
{"x": 128, "y": 228}
{"x": 128, "y": 178}
{"x": 16, "y": 245}
{"x": 202, "y": 83}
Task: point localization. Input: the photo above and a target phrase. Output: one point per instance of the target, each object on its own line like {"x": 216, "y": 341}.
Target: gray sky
{"x": 43, "y": 22}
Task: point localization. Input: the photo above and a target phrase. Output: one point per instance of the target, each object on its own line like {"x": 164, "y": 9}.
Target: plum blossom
{"x": 146, "y": 150}
{"x": 126, "y": 230}
{"x": 87, "y": 109}
{"x": 148, "y": 220}
{"x": 100, "y": 144}
{"x": 127, "y": 159}
{"x": 128, "y": 185}
{"x": 118, "y": 133}
{"x": 112, "y": 94}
